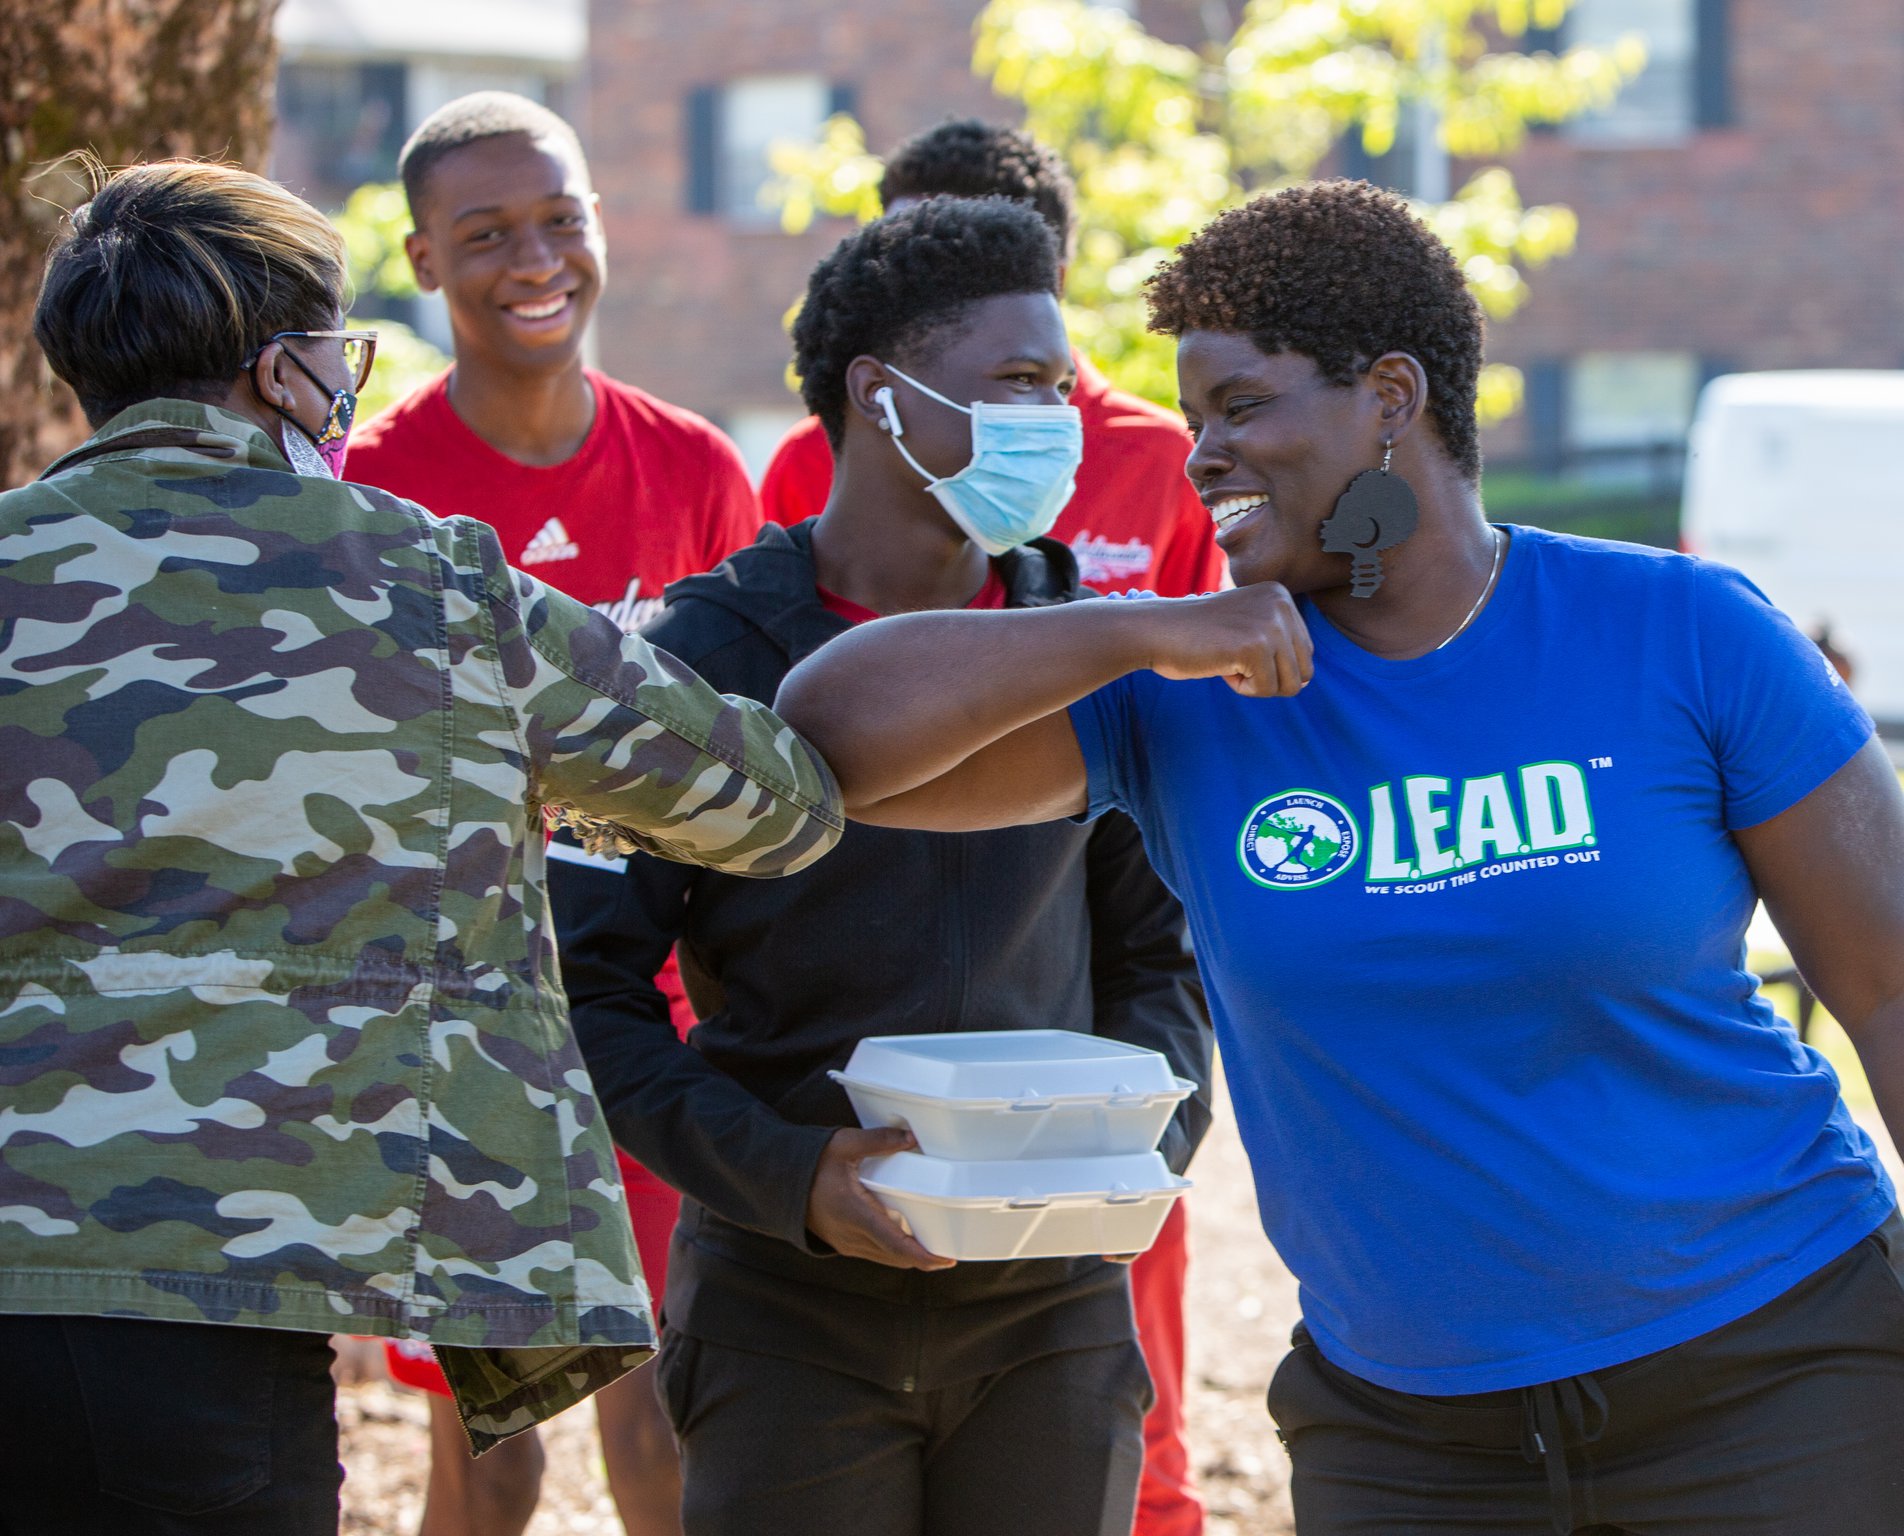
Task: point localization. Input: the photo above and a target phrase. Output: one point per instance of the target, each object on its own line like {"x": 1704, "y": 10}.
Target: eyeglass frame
{"x": 368, "y": 338}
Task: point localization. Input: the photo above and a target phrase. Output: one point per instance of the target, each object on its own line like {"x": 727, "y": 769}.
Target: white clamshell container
{"x": 1002, "y": 1094}
{"x": 1038, "y": 1208}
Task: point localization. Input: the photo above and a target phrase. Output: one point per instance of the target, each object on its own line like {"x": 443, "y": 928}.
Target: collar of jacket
{"x": 773, "y": 585}
{"x": 199, "y": 429}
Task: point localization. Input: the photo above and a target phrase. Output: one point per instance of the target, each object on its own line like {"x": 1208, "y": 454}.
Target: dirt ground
{"x": 1242, "y": 1304}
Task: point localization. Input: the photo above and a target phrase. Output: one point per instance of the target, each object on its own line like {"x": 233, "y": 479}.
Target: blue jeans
{"x": 123, "y": 1427}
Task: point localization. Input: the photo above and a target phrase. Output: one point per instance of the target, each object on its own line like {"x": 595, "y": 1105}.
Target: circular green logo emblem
{"x": 1298, "y": 838}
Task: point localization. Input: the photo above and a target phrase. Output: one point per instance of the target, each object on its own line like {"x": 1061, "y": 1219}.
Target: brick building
{"x": 1742, "y": 205}
{"x": 682, "y": 105}
{"x": 1743, "y": 208}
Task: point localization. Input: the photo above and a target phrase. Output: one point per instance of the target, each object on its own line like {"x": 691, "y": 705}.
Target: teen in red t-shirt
{"x": 603, "y": 492}
{"x": 652, "y": 494}
{"x": 1133, "y": 522}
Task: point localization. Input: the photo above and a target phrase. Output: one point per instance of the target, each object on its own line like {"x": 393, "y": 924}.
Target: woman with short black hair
{"x": 283, "y": 1046}
{"x": 1469, "y": 821}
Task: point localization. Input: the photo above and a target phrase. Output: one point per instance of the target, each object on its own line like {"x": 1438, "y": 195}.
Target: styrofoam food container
{"x": 1027, "y": 1208}
{"x": 994, "y": 1095}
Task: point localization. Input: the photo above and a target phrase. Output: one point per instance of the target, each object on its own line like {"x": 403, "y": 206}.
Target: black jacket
{"x": 894, "y": 932}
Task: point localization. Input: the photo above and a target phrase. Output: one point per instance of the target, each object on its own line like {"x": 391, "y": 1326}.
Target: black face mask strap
{"x": 251, "y": 375}
{"x": 1375, "y": 513}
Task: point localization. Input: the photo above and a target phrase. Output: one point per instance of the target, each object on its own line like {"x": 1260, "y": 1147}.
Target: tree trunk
{"x": 127, "y": 80}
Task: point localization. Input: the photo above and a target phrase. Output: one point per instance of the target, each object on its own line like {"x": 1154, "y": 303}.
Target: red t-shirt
{"x": 1134, "y": 521}
{"x": 991, "y": 595}
{"x": 655, "y": 493}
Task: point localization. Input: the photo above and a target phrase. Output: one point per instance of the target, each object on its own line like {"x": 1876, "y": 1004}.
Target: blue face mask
{"x": 1024, "y": 465}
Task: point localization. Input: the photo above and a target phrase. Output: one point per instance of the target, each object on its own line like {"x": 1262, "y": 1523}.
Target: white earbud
{"x": 884, "y": 399}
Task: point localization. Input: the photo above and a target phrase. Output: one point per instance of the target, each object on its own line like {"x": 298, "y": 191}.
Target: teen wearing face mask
{"x": 1469, "y": 822}
{"x": 278, "y": 969}
{"x": 1134, "y": 523}
{"x": 824, "y": 1371}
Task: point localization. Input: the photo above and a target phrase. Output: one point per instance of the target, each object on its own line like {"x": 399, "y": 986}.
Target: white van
{"x": 1797, "y": 479}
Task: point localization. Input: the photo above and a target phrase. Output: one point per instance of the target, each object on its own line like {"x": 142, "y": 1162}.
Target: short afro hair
{"x": 469, "y": 120}
{"x": 964, "y": 157}
{"x": 1341, "y": 273}
{"x": 908, "y": 278}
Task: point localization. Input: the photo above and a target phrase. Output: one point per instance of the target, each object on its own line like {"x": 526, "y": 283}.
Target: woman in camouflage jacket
{"x": 281, "y": 1032}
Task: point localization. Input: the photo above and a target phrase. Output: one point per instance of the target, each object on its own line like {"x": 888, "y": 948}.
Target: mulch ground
{"x": 1242, "y": 1304}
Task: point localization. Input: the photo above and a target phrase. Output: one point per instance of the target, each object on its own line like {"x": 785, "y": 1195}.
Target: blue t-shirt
{"x": 1472, "y": 927}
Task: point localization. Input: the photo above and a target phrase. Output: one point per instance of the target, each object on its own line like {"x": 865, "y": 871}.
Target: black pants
{"x": 114, "y": 1426}
{"x": 1052, "y": 1447}
{"x": 1788, "y": 1422}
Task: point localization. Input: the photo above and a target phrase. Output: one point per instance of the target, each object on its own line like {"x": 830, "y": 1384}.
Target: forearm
{"x": 1880, "y": 1044}
{"x": 896, "y": 704}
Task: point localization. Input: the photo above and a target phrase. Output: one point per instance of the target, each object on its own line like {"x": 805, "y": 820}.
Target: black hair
{"x": 173, "y": 275}
{"x": 964, "y": 157}
{"x": 1341, "y": 273}
{"x": 469, "y": 120}
{"x": 908, "y": 278}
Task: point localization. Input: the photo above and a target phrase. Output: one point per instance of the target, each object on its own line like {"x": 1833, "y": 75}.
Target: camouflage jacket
{"x": 282, "y": 1037}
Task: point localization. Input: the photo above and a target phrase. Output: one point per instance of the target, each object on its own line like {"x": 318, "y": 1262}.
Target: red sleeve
{"x": 1190, "y": 562}
{"x": 799, "y": 477}
{"x": 733, "y": 511}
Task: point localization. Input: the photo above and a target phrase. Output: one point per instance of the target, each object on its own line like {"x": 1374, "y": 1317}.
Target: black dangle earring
{"x": 1376, "y": 512}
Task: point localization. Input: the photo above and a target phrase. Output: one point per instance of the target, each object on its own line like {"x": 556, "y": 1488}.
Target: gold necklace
{"x": 1500, "y": 548}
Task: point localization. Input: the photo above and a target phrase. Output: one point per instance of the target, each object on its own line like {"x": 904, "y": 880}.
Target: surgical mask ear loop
{"x": 890, "y": 422}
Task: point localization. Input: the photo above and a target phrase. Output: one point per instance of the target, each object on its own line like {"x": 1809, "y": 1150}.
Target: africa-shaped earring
{"x": 1376, "y": 512}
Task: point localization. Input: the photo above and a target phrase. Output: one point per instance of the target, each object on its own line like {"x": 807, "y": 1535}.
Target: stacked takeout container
{"x": 1033, "y": 1143}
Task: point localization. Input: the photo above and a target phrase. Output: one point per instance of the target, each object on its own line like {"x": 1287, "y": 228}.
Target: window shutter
{"x": 1712, "y": 64}
{"x": 1546, "y": 401}
{"x": 704, "y": 149}
{"x": 1357, "y": 163}
{"x": 1543, "y": 40}
{"x": 842, "y": 100}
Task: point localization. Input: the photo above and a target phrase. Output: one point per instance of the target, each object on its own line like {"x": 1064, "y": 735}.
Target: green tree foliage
{"x": 374, "y": 220}
{"x": 1161, "y": 137}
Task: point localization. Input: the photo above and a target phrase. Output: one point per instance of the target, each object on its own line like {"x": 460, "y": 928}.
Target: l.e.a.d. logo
{"x": 1297, "y": 838}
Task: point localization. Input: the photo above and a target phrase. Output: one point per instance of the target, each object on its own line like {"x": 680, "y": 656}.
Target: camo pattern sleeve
{"x": 632, "y": 749}
{"x": 282, "y": 1038}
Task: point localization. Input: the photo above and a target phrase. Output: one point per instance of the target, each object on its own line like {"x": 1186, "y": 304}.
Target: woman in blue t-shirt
{"x": 1469, "y": 821}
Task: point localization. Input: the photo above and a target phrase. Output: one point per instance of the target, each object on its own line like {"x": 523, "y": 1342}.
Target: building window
{"x": 731, "y": 132}
{"x": 1686, "y": 84}
{"x": 1626, "y": 414}
{"x": 339, "y": 125}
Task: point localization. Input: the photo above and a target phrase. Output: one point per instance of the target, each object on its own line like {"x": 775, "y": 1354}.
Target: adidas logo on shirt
{"x": 552, "y": 543}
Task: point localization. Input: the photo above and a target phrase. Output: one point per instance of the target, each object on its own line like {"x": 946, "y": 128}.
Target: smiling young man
{"x": 594, "y": 485}
{"x": 603, "y": 492}
{"x": 826, "y": 1373}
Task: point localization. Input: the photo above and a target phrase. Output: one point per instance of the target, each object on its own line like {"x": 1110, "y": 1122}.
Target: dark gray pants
{"x": 1788, "y": 1422}
{"x": 1052, "y": 1447}
{"x": 116, "y": 1426}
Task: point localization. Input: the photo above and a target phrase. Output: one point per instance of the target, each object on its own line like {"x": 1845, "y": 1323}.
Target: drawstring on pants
{"x": 1554, "y": 1414}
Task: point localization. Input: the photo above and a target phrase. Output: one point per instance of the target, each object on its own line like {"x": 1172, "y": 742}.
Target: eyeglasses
{"x": 360, "y": 349}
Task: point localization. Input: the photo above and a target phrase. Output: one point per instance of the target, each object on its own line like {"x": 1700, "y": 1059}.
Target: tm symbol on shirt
{"x": 1599, "y": 762}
